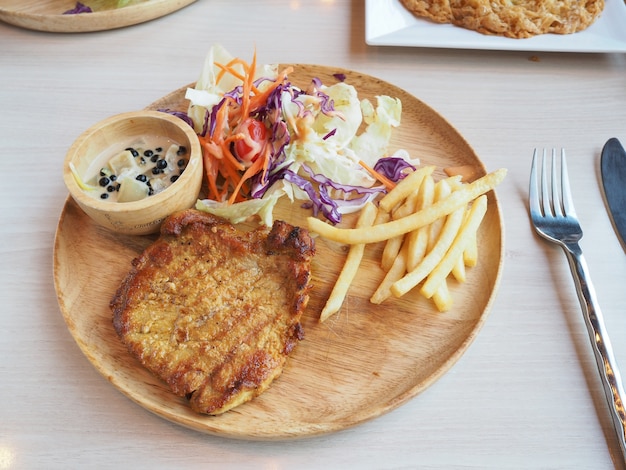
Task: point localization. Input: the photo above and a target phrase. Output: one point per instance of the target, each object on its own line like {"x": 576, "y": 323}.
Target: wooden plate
{"x": 361, "y": 363}
{"x": 47, "y": 15}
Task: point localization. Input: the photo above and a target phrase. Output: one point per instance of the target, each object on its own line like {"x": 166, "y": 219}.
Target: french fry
{"x": 434, "y": 256}
{"x": 442, "y": 190}
{"x": 393, "y": 245}
{"x": 439, "y": 274}
{"x": 350, "y": 267}
{"x": 470, "y": 255}
{"x": 408, "y": 206}
{"x": 442, "y": 298}
{"x": 458, "y": 271}
{"x": 454, "y": 181}
{"x": 404, "y": 188}
{"x": 396, "y": 271}
{"x": 418, "y": 245}
{"x": 382, "y": 217}
{"x": 404, "y": 225}
{"x": 426, "y": 193}
{"x": 391, "y": 252}
{"x": 418, "y": 239}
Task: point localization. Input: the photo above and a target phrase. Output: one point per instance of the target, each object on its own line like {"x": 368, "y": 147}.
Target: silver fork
{"x": 554, "y": 218}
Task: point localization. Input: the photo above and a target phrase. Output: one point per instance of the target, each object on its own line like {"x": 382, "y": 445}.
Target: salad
{"x": 263, "y": 139}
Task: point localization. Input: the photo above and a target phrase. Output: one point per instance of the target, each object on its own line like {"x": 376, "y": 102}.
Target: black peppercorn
{"x": 132, "y": 151}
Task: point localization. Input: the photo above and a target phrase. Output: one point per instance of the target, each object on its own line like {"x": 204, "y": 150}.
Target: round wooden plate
{"x": 363, "y": 362}
{"x": 47, "y": 15}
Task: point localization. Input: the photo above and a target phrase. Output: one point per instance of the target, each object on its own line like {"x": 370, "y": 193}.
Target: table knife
{"x": 613, "y": 169}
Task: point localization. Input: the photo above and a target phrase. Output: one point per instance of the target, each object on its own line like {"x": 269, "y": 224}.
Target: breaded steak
{"x": 214, "y": 311}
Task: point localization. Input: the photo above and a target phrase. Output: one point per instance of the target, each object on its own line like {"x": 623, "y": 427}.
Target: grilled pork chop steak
{"x": 214, "y": 311}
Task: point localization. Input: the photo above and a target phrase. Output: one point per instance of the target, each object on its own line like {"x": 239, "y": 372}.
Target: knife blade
{"x": 613, "y": 170}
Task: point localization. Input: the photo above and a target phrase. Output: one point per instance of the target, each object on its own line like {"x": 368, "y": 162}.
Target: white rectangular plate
{"x": 388, "y": 23}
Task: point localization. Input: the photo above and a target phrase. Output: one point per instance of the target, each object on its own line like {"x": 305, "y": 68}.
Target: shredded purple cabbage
{"x": 330, "y": 134}
{"x": 318, "y": 187}
{"x": 79, "y": 8}
{"x": 323, "y": 180}
{"x": 179, "y": 114}
{"x": 320, "y": 199}
{"x": 210, "y": 119}
{"x": 393, "y": 167}
{"x": 340, "y": 76}
{"x": 260, "y": 185}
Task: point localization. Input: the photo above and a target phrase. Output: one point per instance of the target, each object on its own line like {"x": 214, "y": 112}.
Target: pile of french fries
{"x": 429, "y": 229}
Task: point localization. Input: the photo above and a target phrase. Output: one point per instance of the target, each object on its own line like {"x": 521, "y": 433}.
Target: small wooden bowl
{"x": 143, "y": 216}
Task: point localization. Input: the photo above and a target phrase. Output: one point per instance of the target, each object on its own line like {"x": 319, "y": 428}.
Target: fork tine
{"x": 533, "y": 195}
{"x": 556, "y": 197}
{"x": 568, "y": 202}
{"x": 545, "y": 195}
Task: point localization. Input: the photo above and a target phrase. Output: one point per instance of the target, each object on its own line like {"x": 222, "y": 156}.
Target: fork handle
{"x": 603, "y": 351}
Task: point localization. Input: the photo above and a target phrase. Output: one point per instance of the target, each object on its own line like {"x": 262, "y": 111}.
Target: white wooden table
{"x": 525, "y": 395}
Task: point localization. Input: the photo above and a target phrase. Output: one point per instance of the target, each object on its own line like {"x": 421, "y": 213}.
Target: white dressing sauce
{"x": 132, "y": 171}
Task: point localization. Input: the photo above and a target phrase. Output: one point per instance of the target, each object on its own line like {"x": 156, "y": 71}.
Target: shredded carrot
{"x": 211, "y": 174}
{"x": 380, "y": 177}
{"x": 247, "y": 88}
{"x": 260, "y": 98}
{"x": 227, "y": 177}
{"x": 229, "y": 68}
{"x": 252, "y": 170}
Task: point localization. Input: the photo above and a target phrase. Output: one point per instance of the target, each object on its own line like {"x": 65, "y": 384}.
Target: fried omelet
{"x": 511, "y": 18}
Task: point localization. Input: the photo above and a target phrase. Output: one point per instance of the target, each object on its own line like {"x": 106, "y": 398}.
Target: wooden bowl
{"x": 143, "y": 216}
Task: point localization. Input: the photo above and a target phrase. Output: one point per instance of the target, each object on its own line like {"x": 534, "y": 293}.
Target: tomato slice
{"x": 250, "y": 147}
